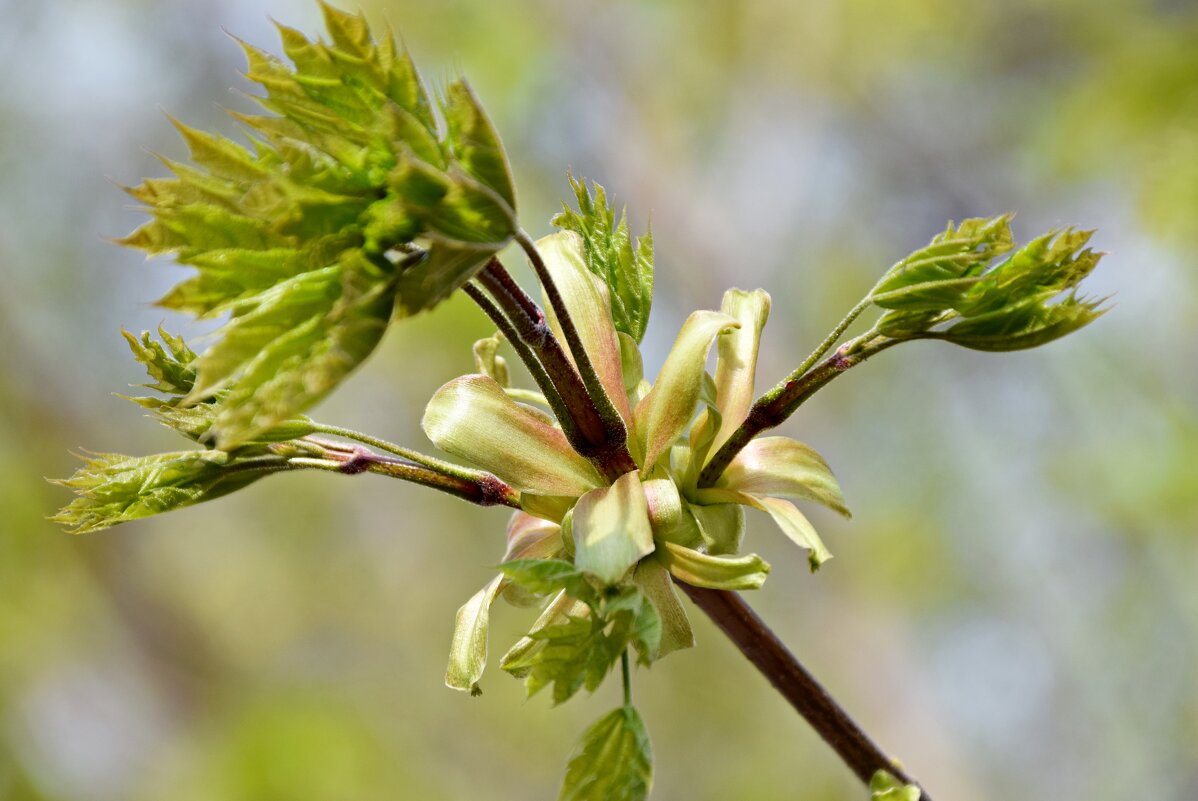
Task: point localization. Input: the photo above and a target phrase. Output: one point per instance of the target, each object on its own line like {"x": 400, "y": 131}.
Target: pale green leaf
{"x": 560, "y": 608}
{"x": 473, "y": 418}
{"x": 716, "y": 572}
{"x": 654, "y": 581}
{"x": 611, "y": 529}
{"x": 468, "y": 650}
{"x": 665, "y": 412}
{"x": 612, "y": 762}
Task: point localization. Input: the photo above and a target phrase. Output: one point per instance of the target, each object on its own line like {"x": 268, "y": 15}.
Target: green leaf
{"x": 468, "y": 651}
{"x": 625, "y": 267}
{"x": 112, "y": 488}
{"x": 934, "y": 276}
{"x": 546, "y": 576}
{"x": 473, "y": 418}
{"x": 883, "y": 786}
{"x": 665, "y": 412}
{"x": 612, "y": 529}
{"x": 297, "y": 234}
{"x": 716, "y": 572}
{"x": 1012, "y": 304}
{"x": 474, "y": 142}
{"x": 794, "y": 524}
{"x": 1025, "y": 325}
{"x": 284, "y": 351}
{"x": 560, "y": 608}
{"x": 169, "y": 367}
{"x": 582, "y": 634}
{"x": 612, "y": 762}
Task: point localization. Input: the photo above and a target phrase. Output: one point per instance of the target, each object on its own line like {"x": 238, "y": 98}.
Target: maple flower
{"x": 650, "y": 523}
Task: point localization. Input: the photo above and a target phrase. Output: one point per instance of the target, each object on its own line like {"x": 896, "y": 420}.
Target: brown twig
{"x": 774, "y": 660}
{"x": 772, "y": 408}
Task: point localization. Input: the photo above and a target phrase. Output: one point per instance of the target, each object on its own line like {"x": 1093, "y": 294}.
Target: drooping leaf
{"x": 468, "y": 650}
{"x": 625, "y": 266}
{"x": 612, "y": 762}
{"x": 746, "y": 572}
{"x": 473, "y": 418}
{"x": 794, "y": 524}
{"x": 112, "y": 488}
{"x": 583, "y": 632}
{"x": 654, "y": 581}
{"x": 780, "y": 467}
{"x": 611, "y": 529}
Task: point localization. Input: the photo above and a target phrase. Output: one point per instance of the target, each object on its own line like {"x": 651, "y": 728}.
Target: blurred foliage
{"x": 1013, "y": 610}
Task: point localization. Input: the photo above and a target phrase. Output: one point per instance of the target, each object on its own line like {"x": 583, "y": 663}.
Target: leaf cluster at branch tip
{"x": 351, "y": 204}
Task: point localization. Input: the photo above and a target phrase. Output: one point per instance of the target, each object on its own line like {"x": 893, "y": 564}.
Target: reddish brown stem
{"x": 774, "y": 660}
{"x": 588, "y": 432}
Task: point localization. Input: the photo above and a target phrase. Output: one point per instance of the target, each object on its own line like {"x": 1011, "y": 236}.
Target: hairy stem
{"x": 480, "y": 488}
{"x": 615, "y": 432}
{"x": 437, "y": 465}
{"x": 772, "y": 408}
{"x": 774, "y": 660}
{"x": 592, "y": 437}
{"x": 520, "y": 344}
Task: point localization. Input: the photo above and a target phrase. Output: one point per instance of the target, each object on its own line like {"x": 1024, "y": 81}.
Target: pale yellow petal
{"x": 587, "y": 301}
{"x": 664, "y": 413}
{"x": 473, "y": 418}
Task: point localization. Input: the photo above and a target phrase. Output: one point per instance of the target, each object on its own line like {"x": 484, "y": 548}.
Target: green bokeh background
{"x": 1012, "y": 611}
